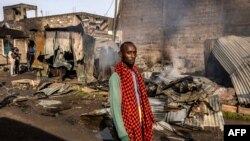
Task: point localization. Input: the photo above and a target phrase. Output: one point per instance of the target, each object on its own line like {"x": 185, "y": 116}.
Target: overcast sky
{"x": 53, "y": 7}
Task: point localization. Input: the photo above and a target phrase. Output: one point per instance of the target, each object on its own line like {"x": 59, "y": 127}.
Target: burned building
{"x": 96, "y": 26}
{"x": 18, "y": 12}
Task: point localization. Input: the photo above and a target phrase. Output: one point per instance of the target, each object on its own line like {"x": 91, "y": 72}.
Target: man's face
{"x": 128, "y": 55}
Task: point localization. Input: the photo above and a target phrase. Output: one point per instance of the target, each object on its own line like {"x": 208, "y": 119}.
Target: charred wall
{"x": 178, "y": 29}
{"x": 187, "y": 25}
{"x": 236, "y": 17}
{"x": 140, "y": 21}
{"x": 51, "y": 21}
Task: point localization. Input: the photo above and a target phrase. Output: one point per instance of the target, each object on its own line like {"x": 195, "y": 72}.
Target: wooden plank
{"x": 243, "y": 110}
{"x": 229, "y": 108}
{"x": 235, "y": 109}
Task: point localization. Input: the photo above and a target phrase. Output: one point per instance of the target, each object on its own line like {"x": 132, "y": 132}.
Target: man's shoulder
{"x": 114, "y": 75}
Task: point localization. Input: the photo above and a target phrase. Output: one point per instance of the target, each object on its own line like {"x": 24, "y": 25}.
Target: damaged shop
{"x": 63, "y": 52}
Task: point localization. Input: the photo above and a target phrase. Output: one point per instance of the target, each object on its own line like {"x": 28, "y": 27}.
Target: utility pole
{"x": 114, "y": 21}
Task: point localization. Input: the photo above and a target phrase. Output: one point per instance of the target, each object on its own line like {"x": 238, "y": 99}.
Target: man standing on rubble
{"x": 17, "y": 60}
{"x": 130, "y": 108}
{"x": 30, "y": 55}
{"x": 11, "y": 57}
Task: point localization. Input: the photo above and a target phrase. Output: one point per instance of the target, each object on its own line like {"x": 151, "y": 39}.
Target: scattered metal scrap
{"x": 45, "y": 87}
{"x": 50, "y": 88}
{"x": 187, "y": 101}
{"x": 8, "y": 99}
{"x": 99, "y": 85}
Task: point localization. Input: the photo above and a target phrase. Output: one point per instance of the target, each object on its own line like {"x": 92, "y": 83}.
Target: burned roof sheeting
{"x": 77, "y": 28}
{"x": 233, "y": 53}
{"x": 12, "y": 32}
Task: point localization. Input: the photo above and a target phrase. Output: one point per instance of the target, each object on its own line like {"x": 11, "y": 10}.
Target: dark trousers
{"x": 114, "y": 133}
{"x": 17, "y": 64}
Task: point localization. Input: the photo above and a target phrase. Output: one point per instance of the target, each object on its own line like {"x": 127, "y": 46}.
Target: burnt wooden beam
{"x": 172, "y": 83}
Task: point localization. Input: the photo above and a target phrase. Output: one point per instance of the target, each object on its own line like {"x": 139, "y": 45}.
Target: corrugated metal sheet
{"x": 213, "y": 119}
{"x": 57, "y": 89}
{"x": 157, "y": 106}
{"x": 234, "y": 55}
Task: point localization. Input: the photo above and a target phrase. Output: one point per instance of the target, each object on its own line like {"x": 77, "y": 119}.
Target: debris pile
{"x": 187, "y": 101}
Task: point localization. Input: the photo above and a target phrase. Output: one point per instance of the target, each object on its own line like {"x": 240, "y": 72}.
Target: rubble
{"x": 52, "y": 107}
{"x": 53, "y": 89}
{"x": 49, "y": 103}
{"x": 29, "y": 82}
{"x": 227, "y": 96}
{"x": 99, "y": 85}
{"x": 188, "y": 101}
{"x": 8, "y": 99}
{"x": 98, "y": 112}
{"x": 191, "y": 102}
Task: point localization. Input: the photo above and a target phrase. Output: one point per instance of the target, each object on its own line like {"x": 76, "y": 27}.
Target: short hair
{"x": 126, "y": 44}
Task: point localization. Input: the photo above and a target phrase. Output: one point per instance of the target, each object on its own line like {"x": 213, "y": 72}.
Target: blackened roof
{"x": 12, "y": 32}
{"x": 77, "y": 28}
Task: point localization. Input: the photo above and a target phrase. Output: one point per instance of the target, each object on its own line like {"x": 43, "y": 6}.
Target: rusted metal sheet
{"x": 39, "y": 39}
{"x": 234, "y": 55}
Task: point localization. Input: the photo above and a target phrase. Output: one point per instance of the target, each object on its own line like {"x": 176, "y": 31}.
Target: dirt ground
{"x": 27, "y": 121}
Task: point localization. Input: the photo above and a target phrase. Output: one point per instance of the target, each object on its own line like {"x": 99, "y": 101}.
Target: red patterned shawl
{"x": 130, "y": 113}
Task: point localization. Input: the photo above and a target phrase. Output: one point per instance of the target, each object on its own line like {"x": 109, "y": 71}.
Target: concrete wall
{"x": 22, "y": 45}
{"x": 175, "y": 30}
{"x": 9, "y": 14}
{"x": 17, "y": 14}
{"x": 141, "y": 21}
{"x": 2, "y": 57}
{"x": 18, "y": 11}
{"x": 53, "y": 21}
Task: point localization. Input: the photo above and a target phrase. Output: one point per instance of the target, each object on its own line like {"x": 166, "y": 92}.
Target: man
{"x": 17, "y": 60}
{"x": 30, "y": 55}
{"x": 11, "y": 58}
{"x": 130, "y": 107}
